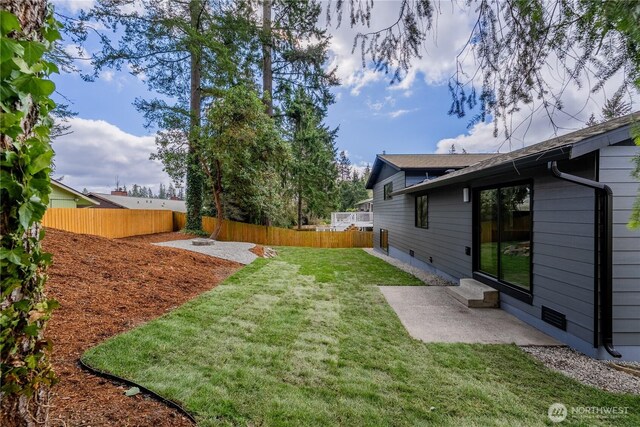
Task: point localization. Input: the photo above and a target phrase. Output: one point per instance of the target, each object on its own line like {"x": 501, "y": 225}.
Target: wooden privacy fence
{"x": 112, "y": 223}
{"x": 274, "y": 236}
{"x": 116, "y": 223}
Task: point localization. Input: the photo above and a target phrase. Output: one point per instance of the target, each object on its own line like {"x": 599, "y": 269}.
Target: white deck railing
{"x": 342, "y": 220}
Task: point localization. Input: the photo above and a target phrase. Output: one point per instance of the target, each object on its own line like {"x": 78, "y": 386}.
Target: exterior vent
{"x": 554, "y": 318}
{"x": 411, "y": 253}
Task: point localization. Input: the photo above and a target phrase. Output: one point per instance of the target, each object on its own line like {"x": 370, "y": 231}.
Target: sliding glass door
{"x": 505, "y": 234}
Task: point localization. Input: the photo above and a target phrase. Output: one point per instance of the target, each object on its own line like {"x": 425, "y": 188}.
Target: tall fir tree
{"x": 313, "y": 171}
{"x": 180, "y": 49}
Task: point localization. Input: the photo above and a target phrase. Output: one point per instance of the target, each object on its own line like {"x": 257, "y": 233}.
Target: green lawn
{"x": 307, "y": 339}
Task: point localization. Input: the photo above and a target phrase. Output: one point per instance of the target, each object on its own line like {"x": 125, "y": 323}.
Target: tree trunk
{"x": 267, "y": 71}
{"x": 217, "y": 196}
{"x": 17, "y": 409}
{"x": 194, "y": 178}
{"x": 299, "y": 208}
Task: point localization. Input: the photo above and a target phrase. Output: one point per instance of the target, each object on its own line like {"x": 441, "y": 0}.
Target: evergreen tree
{"x": 616, "y": 106}
{"x": 313, "y": 170}
{"x": 171, "y": 192}
{"x": 135, "y": 191}
{"x": 294, "y": 52}
{"x": 243, "y": 157}
{"x": 162, "y": 193}
{"x": 351, "y": 192}
{"x": 367, "y": 173}
{"x": 344, "y": 166}
{"x": 185, "y": 56}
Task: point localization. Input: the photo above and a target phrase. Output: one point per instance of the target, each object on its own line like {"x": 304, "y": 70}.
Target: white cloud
{"x": 96, "y": 152}
{"x": 532, "y": 124}
{"x": 451, "y": 28}
{"x": 107, "y": 75}
{"x": 73, "y": 6}
{"x": 375, "y": 106}
{"x": 398, "y": 113}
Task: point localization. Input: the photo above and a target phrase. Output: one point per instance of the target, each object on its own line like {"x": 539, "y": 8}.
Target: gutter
{"x": 603, "y": 246}
{"x": 507, "y": 166}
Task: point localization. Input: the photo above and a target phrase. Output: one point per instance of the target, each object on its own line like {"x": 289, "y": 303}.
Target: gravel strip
{"x": 427, "y": 278}
{"x": 592, "y": 372}
{"x": 233, "y": 251}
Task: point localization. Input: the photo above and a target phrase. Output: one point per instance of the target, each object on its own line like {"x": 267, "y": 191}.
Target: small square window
{"x": 422, "y": 212}
{"x": 388, "y": 189}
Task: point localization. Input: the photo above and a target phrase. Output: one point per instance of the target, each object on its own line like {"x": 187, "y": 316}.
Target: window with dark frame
{"x": 388, "y": 189}
{"x": 505, "y": 233}
{"x": 422, "y": 212}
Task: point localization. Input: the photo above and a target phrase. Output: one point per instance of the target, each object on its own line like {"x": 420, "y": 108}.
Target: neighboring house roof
{"x": 423, "y": 162}
{"x": 127, "y": 202}
{"x": 82, "y": 199}
{"x": 433, "y": 161}
{"x": 364, "y": 201}
{"x": 569, "y": 146}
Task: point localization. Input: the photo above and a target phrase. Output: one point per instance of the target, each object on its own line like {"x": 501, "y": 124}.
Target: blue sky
{"x": 109, "y": 138}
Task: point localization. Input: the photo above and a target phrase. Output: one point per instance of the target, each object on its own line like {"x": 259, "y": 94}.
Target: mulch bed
{"x": 106, "y": 287}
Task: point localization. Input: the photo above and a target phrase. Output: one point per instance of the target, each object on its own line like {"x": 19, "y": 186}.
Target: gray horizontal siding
{"x": 563, "y": 252}
{"x": 450, "y": 225}
{"x": 615, "y": 171}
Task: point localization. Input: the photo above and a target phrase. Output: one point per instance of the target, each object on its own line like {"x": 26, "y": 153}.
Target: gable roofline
{"x": 375, "y": 170}
{"x": 569, "y": 146}
{"x": 424, "y": 162}
{"x": 104, "y": 199}
{"x": 72, "y": 191}
{"x": 130, "y": 202}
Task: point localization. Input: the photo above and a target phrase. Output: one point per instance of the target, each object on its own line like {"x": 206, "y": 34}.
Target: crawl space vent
{"x": 554, "y": 318}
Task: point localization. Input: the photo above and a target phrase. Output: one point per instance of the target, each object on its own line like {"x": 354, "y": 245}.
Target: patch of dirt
{"x": 258, "y": 250}
{"x": 106, "y": 287}
{"x": 263, "y": 251}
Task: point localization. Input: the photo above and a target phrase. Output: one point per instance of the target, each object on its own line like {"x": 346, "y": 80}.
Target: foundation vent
{"x": 554, "y": 318}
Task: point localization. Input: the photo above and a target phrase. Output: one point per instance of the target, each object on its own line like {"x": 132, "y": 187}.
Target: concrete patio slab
{"x": 431, "y": 315}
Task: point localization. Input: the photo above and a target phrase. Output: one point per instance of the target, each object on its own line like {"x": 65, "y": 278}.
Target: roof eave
{"x": 559, "y": 153}
{"x": 104, "y": 199}
{"x": 375, "y": 171}
{"x": 596, "y": 142}
{"x": 74, "y": 192}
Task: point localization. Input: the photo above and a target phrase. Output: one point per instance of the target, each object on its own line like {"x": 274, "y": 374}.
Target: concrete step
{"x": 474, "y": 294}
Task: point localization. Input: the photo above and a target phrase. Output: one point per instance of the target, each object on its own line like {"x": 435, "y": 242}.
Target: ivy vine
{"x": 25, "y": 165}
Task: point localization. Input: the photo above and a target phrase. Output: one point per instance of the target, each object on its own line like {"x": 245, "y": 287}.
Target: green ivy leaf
{"x": 32, "y": 330}
{"x": 8, "y": 22}
{"x": 8, "y": 120}
{"x": 51, "y": 34}
{"x": 8, "y": 48}
{"x": 25, "y": 213}
{"x": 14, "y": 255}
{"x": 35, "y": 86}
{"x": 41, "y": 162}
{"x": 33, "y": 51}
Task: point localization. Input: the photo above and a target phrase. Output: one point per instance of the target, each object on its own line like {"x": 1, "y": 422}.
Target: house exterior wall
{"x": 61, "y": 199}
{"x": 615, "y": 168}
{"x": 563, "y": 252}
{"x": 563, "y": 259}
{"x": 440, "y": 247}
